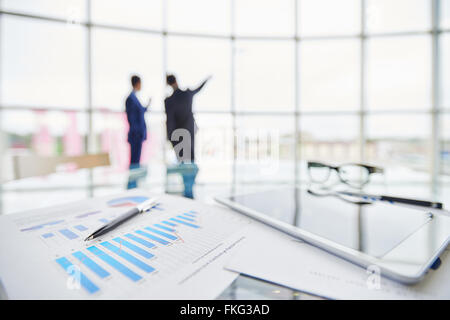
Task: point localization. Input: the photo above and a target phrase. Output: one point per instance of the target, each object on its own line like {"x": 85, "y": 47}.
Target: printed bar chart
{"x": 88, "y": 262}
{"x": 115, "y": 264}
{"x": 68, "y": 234}
{"x": 126, "y": 254}
{"x": 150, "y": 236}
{"x": 186, "y": 218}
{"x": 84, "y": 281}
{"x": 189, "y": 215}
{"x": 140, "y": 240}
{"x": 80, "y": 227}
{"x": 162, "y": 233}
{"x": 130, "y": 258}
{"x": 164, "y": 228}
{"x": 84, "y": 215}
{"x": 169, "y": 223}
{"x": 185, "y": 223}
{"x": 133, "y": 247}
{"x": 51, "y": 223}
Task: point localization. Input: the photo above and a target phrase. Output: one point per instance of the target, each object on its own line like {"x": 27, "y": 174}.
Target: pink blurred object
{"x": 43, "y": 143}
{"x": 73, "y": 141}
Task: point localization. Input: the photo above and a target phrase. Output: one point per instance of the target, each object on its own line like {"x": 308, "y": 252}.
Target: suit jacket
{"x": 179, "y": 111}
{"x": 135, "y": 115}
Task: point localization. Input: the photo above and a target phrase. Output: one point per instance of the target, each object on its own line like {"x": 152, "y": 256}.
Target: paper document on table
{"x": 175, "y": 251}
{"x": 276, "y": 257}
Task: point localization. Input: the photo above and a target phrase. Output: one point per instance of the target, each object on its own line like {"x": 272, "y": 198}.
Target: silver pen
{"x": 142, "y": 207}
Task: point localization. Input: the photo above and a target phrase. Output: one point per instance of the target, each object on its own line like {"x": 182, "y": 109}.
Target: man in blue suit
{"x": 138, "y": 129}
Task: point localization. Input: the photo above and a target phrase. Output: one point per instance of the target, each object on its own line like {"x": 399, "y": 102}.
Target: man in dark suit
{"x": 179, "y": 113}
{"x": 138, "y": 129}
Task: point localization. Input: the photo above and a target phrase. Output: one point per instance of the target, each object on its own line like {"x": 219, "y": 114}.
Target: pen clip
{"x": 146, "y": 205}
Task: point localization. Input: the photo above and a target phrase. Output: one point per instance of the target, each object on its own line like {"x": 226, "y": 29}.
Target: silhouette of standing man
{"x": 179, "y": 113}
{"x": 138, "y": 128}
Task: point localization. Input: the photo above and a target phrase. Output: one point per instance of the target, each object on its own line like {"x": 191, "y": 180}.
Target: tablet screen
{"x": 374, "y": 229}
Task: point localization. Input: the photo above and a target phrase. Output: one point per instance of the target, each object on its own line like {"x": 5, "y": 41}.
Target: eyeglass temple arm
{"x": 372, "y": 169}
{"x": 316, "y": 164}
{"x": 376, "y": 170}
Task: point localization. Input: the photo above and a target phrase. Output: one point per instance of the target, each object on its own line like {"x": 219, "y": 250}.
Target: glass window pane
{"x": 265, "y": 148}
{"x": 130, "y": 13}
{"x": 44, "y": 132}
{"x": 214, "y": 148}
{"x": 399, "y": 73}
{"x": 116, "y": 56}
{"x": 199, "y": 16}
{"x": 330, "y": 75}
{"x": 398, "y": 15}
{"x": 43, "y": 64}
{"x": 265, "y": 75}
{"x": 264, "y": 17}
{"x": 445, "y": 68}
{"x": 445, "y": 146}
{"x": 332, "y": 139}
{"x": 71, "y": 10}
{"x": 193, "y": 59}
{"x": 110, "y": 131}
{"x": 400, "y": 141}
{"x": 329, "y": 17}
{"x": 445, "y": 14}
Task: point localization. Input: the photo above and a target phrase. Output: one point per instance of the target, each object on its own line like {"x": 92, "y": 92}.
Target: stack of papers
{"x": 175, "y": 251}
{"x": 180, "y": 249}
{"x": 273, "y": 256}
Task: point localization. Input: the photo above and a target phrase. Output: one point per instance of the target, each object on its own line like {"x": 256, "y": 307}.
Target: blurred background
{"x": 293, "y": 80}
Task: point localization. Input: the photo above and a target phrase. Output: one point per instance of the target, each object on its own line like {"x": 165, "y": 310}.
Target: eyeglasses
{"x": 353, "y": 174}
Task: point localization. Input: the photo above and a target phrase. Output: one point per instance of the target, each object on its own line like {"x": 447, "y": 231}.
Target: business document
{"x": 279, "y": 258}
{"x": 174, "y": 251}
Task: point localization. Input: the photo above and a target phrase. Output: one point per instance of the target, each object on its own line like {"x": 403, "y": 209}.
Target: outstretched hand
{"x": 149, "y": 102}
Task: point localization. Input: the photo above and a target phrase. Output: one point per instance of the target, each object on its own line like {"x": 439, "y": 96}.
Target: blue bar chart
{"x": 84, "y": 281}
{"x": 161, "y": 233}
{"x": 68, "y": 234}
{"x": 169, "y": 223}
{"x": 186, "y": 218}
{"x": 80, "y": 227}
{"x": 189, "y": 215}
{"x": 88, "y": 262}
{"x": 185, "y": 223}
{"x": 152, "y": 237}
{"x": 85, "y": 215}
{"x": 127, "y": 256}
{"x": 115, "y": 264}
{"x": 164, "y": 227}
{"x": 140, "y": 240}
{"x": 133, "y": 247}
{"x": 40, "y": 226}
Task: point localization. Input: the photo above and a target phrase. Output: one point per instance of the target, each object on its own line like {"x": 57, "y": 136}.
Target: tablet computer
{"x": 402, "y": 242}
